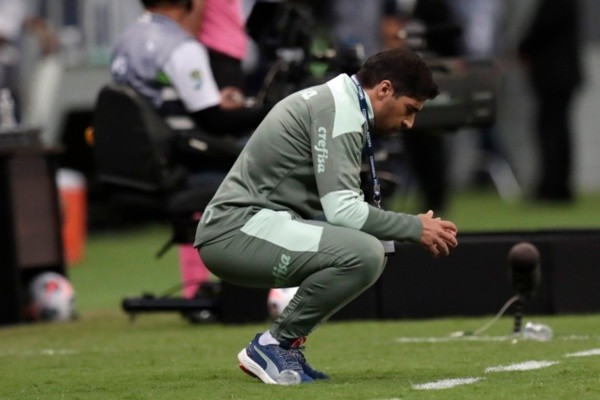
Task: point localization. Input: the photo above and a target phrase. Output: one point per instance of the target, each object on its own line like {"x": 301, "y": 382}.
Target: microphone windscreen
{"x": 524, "y": 268}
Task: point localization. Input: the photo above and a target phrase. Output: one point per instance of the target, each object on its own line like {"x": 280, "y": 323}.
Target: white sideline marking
{"x": 393, "y": 398}
{"x": 524, "y": 366}
{"x": 57, "y": 352}
{"x": 446, "y": 383}
{"x": 42, "y": 352}
{"x": 585, "y": 353}
{"x": 445, "y": 339}
{"x": 442, "y": 339}
{"x": 579, "y": 337}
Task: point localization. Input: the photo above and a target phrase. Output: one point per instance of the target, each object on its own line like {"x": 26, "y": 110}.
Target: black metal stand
{"x": 214, "y": 302}
{"x": 196, "y": 309}
{"x": 518, "y": 315}
{"x": 204, "y": 307}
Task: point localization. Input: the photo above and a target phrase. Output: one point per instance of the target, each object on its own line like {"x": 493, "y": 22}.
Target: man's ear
{"x": 385, "y": 89}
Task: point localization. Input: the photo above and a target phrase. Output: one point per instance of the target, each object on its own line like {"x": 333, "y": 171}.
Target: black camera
{"x": 467, "y": 96}
{"x": 284, "y": 33}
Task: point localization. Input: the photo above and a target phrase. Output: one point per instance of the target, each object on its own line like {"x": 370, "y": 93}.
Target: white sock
{"x": 266, "y": 339}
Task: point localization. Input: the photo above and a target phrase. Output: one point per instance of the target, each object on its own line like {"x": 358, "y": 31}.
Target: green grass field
{"x": 104, "y": 355}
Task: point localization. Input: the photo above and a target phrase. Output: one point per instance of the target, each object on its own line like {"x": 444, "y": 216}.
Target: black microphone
{"x": 524, "y": 268}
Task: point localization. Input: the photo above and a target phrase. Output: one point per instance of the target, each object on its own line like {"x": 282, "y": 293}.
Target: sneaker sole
{"x": 250, "y": 367}
{"x": 249, "y": 373}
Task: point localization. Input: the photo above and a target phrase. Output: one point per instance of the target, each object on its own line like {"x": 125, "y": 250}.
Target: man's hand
{"x": 438, "y": 235}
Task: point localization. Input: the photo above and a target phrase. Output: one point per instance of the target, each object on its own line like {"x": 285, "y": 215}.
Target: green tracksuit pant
{"x": 332, "y": 265}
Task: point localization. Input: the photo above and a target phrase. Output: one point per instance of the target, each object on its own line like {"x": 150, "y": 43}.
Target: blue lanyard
{"x": 362, "y": 101}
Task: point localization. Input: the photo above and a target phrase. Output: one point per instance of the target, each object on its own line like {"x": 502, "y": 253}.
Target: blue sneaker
{"x": 272, "y": 364}
{"x": 296, "y": 347}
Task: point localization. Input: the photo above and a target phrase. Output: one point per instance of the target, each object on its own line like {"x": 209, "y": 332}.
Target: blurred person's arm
{"x": 193, "y": 20}
{"x": 190, "y": 74}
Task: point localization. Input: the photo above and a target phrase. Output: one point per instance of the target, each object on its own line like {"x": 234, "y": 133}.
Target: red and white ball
{"x": 52, "y": 298}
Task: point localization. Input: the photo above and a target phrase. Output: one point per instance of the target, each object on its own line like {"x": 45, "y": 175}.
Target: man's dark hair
{"x": 156, "y": 3}
{"x": 404, "y": 68}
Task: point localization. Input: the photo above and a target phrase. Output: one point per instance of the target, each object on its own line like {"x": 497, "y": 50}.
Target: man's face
{"x": 396, "y": 114}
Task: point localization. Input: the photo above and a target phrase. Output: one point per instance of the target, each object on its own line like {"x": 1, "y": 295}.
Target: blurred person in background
{"x": 482, "y": 40}
{"x": 16, "y": 18}
{"x": 426, "y": 151}
{"x": 160, "y": 59}
{"x": 479, "y": 21}
{"x": 550, "y": 49}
